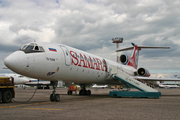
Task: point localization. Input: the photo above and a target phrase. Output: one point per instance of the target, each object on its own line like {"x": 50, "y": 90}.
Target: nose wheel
{"x": 53, "y": 96}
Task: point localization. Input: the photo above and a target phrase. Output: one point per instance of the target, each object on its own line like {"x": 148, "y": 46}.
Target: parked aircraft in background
{"x": 18, "y": 79}
{"x": 99, "y": 86}
{"x": 167, "y": 86}
{"x": 42, "y": 83}
{"x": 53, "y": 62}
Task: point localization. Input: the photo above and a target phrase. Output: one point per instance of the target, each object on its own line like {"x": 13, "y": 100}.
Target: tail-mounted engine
{"x": 124, "y": 59}
{"x": 127, "y": 60}
{"x": 143, "y": 72}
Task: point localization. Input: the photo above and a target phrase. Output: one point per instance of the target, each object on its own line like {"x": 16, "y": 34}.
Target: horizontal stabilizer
{"x": 145, "y": 47}
{"x": 153, "y": 47}
{"x": 125, "y": 49}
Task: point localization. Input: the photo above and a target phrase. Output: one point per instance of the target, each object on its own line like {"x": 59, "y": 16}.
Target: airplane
{"x": 18, "y": 79}
{"x": 41, "y": 83}
{"x": 99, "y": 86}
{"x": 53, "y": 62}
{"x": 38, "y": 83}
{"x": 167, "y": 86}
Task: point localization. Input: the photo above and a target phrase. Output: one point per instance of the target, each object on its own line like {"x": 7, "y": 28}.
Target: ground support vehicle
{"x": 6, "y": 89}
{"x": 140, "y": 94}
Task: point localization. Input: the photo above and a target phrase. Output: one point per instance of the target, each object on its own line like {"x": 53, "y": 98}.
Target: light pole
{"x": 175, "y": 77}
{"x": 117, "y": 40}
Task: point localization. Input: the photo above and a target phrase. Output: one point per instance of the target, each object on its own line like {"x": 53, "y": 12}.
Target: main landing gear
{"x": 53, "y": 96}
{"x": 83, "y": 91}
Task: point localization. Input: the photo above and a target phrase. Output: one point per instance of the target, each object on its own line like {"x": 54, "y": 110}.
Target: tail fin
{"x": 135, "y": 55}
{"x": 133, "y": 60}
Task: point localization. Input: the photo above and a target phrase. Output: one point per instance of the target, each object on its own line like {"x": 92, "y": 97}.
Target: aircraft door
{"x": 66, "y": 55}
{"x": 29, "y": 65}
{"x": 108, "y": 68}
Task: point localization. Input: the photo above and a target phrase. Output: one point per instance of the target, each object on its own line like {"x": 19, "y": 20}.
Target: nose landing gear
{"x": 53, "y": 96}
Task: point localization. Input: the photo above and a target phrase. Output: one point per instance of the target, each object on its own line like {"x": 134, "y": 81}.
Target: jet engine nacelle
{"x": 143, "y": 72}
{"x": 124, "y": 59}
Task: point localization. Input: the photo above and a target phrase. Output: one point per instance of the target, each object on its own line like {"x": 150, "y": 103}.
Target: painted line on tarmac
{"x": 42, "y": 108}
{"x": 78, "y": 99}
{"x": 23, "y": 105}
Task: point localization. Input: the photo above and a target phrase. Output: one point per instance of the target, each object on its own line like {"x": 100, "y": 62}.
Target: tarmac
{"x": 98, "y": 106}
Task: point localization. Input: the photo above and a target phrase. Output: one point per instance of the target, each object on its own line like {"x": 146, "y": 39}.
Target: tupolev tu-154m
{"x": 53, "y": 62}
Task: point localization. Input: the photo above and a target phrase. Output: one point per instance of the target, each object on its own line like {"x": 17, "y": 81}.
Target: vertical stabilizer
{"x": 133, "y": 60}
{"x": 135, "y": 56}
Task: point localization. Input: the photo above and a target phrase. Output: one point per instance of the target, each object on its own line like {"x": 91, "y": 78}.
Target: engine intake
{"x": 143, "y": 72}
{"x": 124, "y": 59}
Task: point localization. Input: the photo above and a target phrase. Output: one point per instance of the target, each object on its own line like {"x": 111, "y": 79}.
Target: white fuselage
{"x": 168, "y": 86}
{"x": 61, "y": 62}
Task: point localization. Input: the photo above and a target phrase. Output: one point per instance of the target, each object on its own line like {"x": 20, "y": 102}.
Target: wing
{"x": 156, "y": 79}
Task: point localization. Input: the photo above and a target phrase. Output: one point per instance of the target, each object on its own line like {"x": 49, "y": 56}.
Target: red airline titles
{"x": 82, "y": 61}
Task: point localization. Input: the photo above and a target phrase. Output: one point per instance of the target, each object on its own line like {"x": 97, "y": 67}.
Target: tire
{"x": 52, "y": 97}
{"x": 46, "y": 87}
{"x": 115, "y": 96}
{"x": 7, "y": 96}
{"x": 88, "y": 92}
{"x": 57, "y": 97}
{"x": 69, "y": 92}
{"x": 0, "y": 96}
{"x": 80, "y": 92}
{"x": 85, "y": 92}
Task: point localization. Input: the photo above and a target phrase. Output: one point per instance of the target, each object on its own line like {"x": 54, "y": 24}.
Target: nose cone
{"x": 16, "y": 61}
{"x": 21, "y": 81}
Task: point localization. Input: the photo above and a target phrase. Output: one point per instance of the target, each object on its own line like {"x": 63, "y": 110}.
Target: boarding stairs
{"x": 145, "y": 82}
{"x": 124, "y": 77}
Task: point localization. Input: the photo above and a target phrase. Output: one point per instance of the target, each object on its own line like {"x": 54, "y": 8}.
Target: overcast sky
{"x": 90, "y": 25}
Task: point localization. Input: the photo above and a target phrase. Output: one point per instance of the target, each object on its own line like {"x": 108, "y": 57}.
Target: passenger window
{"x": 20, "y": 76}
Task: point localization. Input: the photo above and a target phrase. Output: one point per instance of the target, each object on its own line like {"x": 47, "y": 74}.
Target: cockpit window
{"x": 32, "y": 48}
{"x": 41, "y": 48}
{"x": 29, "y": 47}
{"x": 23, "y": 47}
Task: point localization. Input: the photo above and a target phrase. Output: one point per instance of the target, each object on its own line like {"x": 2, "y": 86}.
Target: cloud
{"x": 152, "y": 41}
{"x": 8, "y": 48}
{"x": 91, "y": 24}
